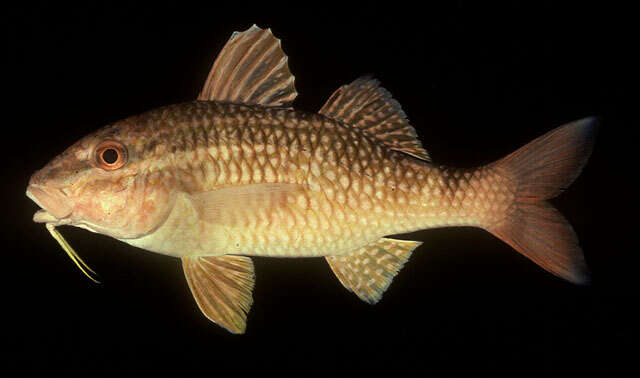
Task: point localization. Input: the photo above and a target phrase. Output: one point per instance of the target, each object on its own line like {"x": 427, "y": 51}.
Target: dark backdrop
{"x": 476, "y": 81}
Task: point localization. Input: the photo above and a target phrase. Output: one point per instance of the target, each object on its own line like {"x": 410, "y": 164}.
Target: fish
{"x": 239, "y": 172}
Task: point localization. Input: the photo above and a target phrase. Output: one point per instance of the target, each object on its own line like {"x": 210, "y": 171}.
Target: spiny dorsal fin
{"x": 366, "y": 105}
{"x": 222, "y": 288}
{"x": 368, "y": 271}
{"x": 251, "y": 69}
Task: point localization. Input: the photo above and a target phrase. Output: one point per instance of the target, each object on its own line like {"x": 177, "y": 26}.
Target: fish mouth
{"x": 55, "y": 212}
{"x": 52, "y": 201}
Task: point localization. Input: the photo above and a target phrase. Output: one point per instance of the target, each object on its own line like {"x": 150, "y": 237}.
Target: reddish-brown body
{"x": 353, "y": 189}
{"x": 240, "y": 173}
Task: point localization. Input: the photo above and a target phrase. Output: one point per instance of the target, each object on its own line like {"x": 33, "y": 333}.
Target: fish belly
{"x": 334, "y": 220}
{"x": 296, "y": 230}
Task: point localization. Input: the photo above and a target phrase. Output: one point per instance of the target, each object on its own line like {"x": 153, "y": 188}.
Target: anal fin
{"x": 368, "y": 271}
{"x": 222, "y": 288}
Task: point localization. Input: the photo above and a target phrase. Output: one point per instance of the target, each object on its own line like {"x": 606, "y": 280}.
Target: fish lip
{"x": 52, "y": 201}
{"x": 43, "y": 216}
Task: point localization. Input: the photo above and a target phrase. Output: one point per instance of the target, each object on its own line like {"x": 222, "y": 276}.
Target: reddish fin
{"x": 539, "y": 232}
{"x": 538, "y": 171}
{"x": 550, "y": 163}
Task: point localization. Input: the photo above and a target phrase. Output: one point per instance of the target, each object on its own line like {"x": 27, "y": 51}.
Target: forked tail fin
{"x": 541, "y": 170}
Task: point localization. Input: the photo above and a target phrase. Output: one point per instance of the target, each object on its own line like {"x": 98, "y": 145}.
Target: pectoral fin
{"x": 222, "y": 288}
{"x": 226, "y": 206}
{"x": 368, "y": 272}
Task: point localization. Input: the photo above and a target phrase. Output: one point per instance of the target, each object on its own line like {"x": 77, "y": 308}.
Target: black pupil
{"x": 110, "y": 156}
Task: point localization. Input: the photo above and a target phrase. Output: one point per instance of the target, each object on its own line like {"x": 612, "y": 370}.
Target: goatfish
{"x": 240, "y": 173}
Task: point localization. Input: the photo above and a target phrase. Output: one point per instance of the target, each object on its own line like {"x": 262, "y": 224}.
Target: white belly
{"x": 185, "y": 234}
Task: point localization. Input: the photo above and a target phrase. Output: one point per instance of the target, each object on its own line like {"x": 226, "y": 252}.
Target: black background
{"x": 476, "y": 81}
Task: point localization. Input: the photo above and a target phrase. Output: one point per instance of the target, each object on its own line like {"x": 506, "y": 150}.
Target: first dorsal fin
{"x": 366, "y": 105}
{"x": 251, "y": 69}
{"x": 369, "y": 270}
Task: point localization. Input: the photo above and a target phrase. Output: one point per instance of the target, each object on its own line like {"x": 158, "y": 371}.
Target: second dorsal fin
{"x": 251, "y": 69}
{"x": 366, "y": 105}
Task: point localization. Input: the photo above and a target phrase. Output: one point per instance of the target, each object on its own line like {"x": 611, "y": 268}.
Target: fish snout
{"x": 52, "y": 200}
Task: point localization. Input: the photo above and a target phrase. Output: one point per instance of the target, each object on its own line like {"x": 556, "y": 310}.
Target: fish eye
{"x": 110, "y": 155}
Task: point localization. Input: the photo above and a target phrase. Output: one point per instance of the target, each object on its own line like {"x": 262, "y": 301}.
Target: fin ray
{"x": 538, "y": 171}
{"x": 222, "y": 294}
{"x": 366, "y": 105}
{"x": 251, "y": 69}
{"x": 539, "y": 232}
{"x": 368, "y": 271}
{"x": 550, "y": 163}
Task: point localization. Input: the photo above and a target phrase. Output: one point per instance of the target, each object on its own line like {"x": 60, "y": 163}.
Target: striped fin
{"x": 251, "y": 69}
{"x": 366, "y": 105}
{"x": 368, "y": 271}
{"x": 222, "y": 288}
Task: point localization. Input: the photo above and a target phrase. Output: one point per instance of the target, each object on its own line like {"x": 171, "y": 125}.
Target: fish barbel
{"x": 240, "y": 173}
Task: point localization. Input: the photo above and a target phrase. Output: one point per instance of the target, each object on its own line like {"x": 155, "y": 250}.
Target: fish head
{"x": 101, "y": 183}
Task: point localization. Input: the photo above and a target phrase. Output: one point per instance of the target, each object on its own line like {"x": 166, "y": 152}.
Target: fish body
{"x": 343, "y": 189}
{"x": 240, "y": 173}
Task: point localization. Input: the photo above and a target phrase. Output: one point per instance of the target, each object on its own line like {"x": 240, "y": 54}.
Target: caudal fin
{"x": 541, "y": 170}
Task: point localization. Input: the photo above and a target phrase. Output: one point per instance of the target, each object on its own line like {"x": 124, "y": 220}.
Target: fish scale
{"x": 356, "y": 190}
{"x": 241, "y": 173}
